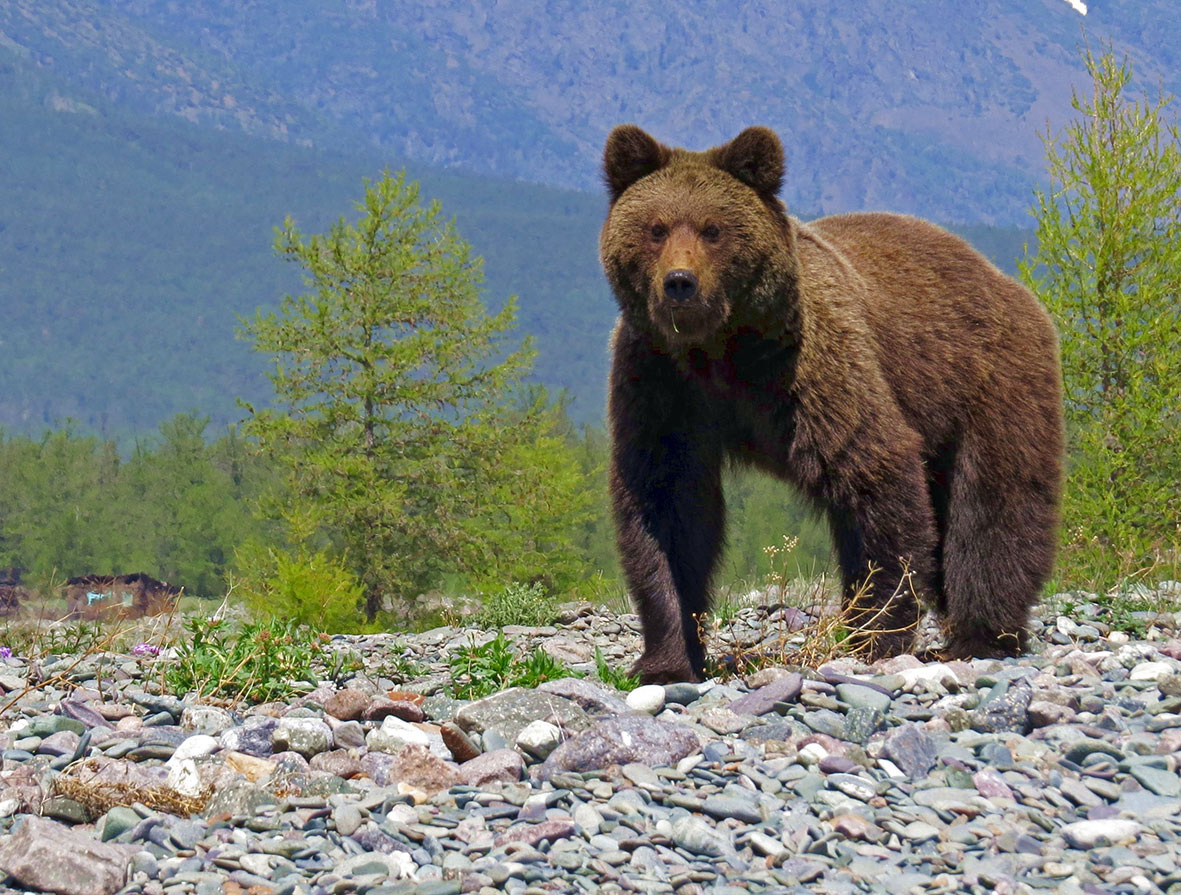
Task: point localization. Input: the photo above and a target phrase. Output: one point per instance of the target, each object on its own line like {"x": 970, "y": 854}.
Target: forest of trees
{"x": 185, "y": 501}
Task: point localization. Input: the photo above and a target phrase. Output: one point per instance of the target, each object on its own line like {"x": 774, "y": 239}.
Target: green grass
{"x": 257, "y": 662}
{"x": 479, "y": 671}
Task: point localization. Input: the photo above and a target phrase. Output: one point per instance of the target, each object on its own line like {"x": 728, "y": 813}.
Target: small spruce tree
{"x": 392, "y": 382}
{"x": 1108, "y": 266}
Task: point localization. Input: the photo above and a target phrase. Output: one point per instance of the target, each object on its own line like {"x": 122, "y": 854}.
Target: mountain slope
{"x": 882, "y": 104}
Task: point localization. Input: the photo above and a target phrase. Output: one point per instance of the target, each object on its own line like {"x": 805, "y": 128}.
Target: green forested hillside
{"x": 129, "y": 245}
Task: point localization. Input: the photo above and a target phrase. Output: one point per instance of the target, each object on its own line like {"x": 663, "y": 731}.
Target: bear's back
{"x": 933, "y": 305}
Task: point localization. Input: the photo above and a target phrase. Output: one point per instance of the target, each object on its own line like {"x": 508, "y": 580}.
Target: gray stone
{"x": 509, "y": 711}
{"x": 682, "y": 693}
{"x": 911, "y": 749}
{"x": 1080, "y": 749}
{"x": 591, "y": 697}
{"x": 348, "y": 819}
{"x": 46, "y": 725}
{"x": 726, "y": 806}
{"x": 348, "y": 735}
{"x": 1094, "y": 833}
{"x": 1005, "y": 708}
{"x": 186, "y": 833}
{"x": 861, "y": 696}
{"x": 775, "y": 696}
{"x": 619, "y": 740}
{"x": 118, "y": 821}
{"x": 254, "y": 737}
{"x": 698, "y": 838}
{"x": 860, "y": 724}
{"x": 827, "y": 722}
{"x": 48, "y": 857}
{"x": 1157, "y": 780}
{"x": 63, "y": 809}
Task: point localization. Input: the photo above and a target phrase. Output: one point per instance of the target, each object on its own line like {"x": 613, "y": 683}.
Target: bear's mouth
{"x": 684, "y": 323}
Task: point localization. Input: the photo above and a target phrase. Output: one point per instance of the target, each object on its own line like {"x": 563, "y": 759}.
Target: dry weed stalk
{"x": 80, "y": 782}
{"x": 831, "y": 631}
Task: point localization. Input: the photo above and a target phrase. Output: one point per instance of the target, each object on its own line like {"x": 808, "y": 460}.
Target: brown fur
{"x": 879, "y": 363}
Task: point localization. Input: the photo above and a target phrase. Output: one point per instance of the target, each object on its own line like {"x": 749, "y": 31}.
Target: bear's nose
{"x": 680, "y": 285}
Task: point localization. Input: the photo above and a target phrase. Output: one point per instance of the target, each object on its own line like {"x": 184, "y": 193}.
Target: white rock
{"x": 184, "y": 778}
{"x": 890, "y": 769}
{"x": 394, "y": 735}
{"x": 9, "y": 807}
{"x": 307, "y": 736}
{"x": 206, "y": 717}
{"x": 399, "y": 865}
{"x": 258, "y": 864}
{"x": 1090, "y": 833}
{"x": 197, "y": 746}
{"x": 1132, "y": 654}
{"x": 539, "y": 738}
{"x": 935, "y": 672}
{"x": 812, "y": 753}
{"x": 766, "y": 845}
{"x": 689, "y": 762}
{"x": 1150, "y": 671}
{"x": 1119, "y": 637}
{"x": 649, "y": 698}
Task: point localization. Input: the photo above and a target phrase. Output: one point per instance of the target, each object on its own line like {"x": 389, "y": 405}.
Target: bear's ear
{"x": 755, "y": 157}
{"x": 629, "y": 155}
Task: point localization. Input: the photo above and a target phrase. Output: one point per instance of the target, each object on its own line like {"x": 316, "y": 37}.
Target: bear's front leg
{"x": 666, "y": 491}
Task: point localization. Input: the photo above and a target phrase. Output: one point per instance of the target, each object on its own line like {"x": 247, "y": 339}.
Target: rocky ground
{"x": 1055, "y": 771}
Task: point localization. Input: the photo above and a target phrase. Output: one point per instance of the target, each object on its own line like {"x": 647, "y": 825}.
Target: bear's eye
{"x": 658, "y": 232}
{"x": 711, "y": 233}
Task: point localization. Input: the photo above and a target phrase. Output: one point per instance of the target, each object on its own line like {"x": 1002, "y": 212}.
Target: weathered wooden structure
{"x": 106, "y": 597}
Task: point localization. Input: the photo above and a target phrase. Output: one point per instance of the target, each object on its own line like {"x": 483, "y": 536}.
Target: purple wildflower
{"x": 5, "y": 652}
{"x": 145, "y": 649}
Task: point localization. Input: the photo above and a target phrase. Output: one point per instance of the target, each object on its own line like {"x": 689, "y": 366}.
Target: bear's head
{"x": 696, "y": 243}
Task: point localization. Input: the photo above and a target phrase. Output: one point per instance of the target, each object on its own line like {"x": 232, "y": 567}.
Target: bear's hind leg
{"x": 998, "y": 549}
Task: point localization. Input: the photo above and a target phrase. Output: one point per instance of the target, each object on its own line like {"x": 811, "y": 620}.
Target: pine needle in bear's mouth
{"x": 673, "y": 317}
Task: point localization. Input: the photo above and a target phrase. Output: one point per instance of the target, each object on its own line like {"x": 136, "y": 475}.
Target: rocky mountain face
{"x": 920, "y": 107}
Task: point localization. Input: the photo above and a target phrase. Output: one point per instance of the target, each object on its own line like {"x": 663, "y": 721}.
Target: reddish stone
{"x": 458, "y": 743}
{"x": 535, "y": 833}
{"x": 347, "y": 704}
{"x": 341, "y": 762}
{"x": 406, "y": 696}
{"x": 497, "y": 766}
{"x": 380, "y": 708}
{"x": 417, "y": 767}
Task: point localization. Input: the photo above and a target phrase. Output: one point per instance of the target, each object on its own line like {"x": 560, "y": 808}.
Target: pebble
{"x": 1056, "y": 771}
{"x": 649, "y": 698}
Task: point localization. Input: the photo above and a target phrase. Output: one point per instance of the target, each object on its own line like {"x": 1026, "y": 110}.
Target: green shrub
{"x": 517, "y": 604}
{"x": 312, "y": 589}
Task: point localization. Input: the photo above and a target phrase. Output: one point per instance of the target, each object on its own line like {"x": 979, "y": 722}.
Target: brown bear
{"x": 904, "y": 384}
